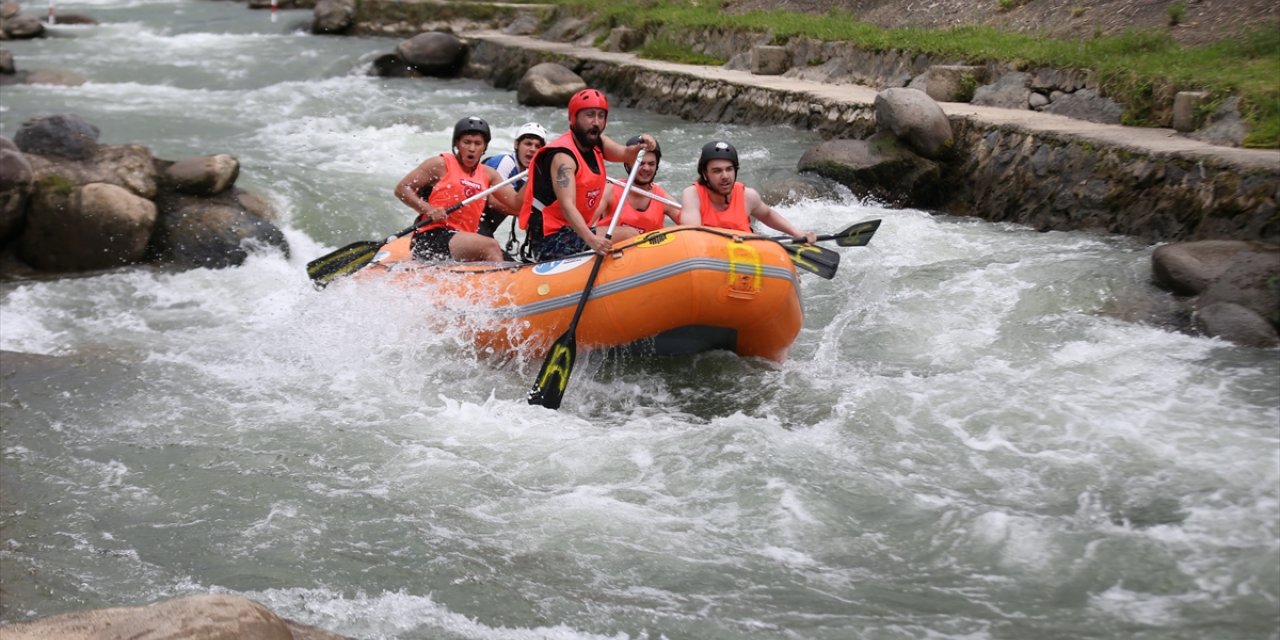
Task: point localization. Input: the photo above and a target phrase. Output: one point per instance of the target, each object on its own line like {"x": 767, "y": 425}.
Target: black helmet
{"x": 657, "y": 148}
{"x": 657, "y": 151}
{"x": 471, "y": 124}
{"x": 717, "y": 150}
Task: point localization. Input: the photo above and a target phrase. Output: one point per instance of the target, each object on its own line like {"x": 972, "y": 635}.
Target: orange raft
{"x": 678, "y": 290}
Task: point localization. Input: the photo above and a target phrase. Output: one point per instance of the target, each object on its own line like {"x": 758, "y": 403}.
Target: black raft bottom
{"x": 683, "y": 341}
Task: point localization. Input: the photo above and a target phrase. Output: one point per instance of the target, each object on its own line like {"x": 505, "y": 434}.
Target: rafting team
{"x": 566, "y": 203}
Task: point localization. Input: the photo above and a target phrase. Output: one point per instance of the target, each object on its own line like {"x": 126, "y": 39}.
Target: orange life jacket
{"x": 453, "y": 187}
{"x": 590, "y": 188}
{"x": 650, "y": 219}
{"x": 733, "y": 217}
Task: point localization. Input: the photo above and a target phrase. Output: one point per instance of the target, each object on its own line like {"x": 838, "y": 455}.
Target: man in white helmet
{"x": 529, "y": 138}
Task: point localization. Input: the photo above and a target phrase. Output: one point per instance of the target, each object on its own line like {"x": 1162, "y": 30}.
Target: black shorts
{"x": 433, "y": 244}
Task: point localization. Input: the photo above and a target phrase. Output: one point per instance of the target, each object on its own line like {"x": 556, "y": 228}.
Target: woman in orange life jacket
{"x": 567, "y": 181}
{"x": 446, "y": 179}
{"x": 717, "y": 199}
{"x": 641, "y": 214}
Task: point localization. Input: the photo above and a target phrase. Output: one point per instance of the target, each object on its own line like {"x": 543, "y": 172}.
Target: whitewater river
{"x": 978, "y": 434}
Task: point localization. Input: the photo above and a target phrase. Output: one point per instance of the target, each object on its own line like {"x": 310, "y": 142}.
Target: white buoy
{"x": 53, "y": 11}
{"x": 273, "y": 10}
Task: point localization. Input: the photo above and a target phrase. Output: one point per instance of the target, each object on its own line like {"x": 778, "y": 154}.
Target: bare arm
{"x": 426, "y": 174}
{"x": 756, "y": 208}
{"x": 690, "y": 208}
{"x": 563, "y": 167}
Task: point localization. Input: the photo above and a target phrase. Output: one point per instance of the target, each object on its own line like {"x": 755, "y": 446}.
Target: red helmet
{"x": 586, "y": 99}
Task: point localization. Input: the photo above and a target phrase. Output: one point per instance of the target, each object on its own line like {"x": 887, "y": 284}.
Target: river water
{"x": 975, "y": 437}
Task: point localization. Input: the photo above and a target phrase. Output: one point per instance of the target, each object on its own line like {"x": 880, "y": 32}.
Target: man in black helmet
{"x": 447, "y": 179}
{"x": 717, "y": 199}
{"x": 642, "y": 212}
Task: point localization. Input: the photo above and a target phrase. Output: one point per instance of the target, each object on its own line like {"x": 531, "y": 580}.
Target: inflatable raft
{"x": 678, "y": 290}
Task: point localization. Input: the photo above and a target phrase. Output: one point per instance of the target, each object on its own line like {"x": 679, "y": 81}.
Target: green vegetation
{"x": 1176, "y": 11}
{"x": 661, "y": 48}
{"x": 1133, "y": 67}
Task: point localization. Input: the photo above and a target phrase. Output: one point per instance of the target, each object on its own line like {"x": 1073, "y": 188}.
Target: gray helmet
{"x": 471, "y": 124}
{"x": 717, "y": 150}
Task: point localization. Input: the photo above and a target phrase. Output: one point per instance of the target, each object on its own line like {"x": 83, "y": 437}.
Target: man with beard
{"x": 447, "y": 179}
{"x": 567, "y": 181}
{"x": 641, "y": 213}
{"x": 529, "y": 138}
{"x": 717, "y": 199}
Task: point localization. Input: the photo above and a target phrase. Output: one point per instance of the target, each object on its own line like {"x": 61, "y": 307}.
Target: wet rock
{"x": 81, "y": 228}
{"x": 23, "y": 27}
{"x": 16, "y": 186}
{"x": 434, "y": 53}
{"x": 129, "y": 166}
{"x": 6, "y": 63}
{"x": 1236, "y": 323}
{"x": 333, "y": 17}
{"x": 1235, "y": 284}
{"x": 203, "y": 175}
{"x": 206, "y": 617}
{"x": 213, "y": 233}
{"x": 880, "y": 166}
{"x": 68, "y": 136}
{"x": 548, "y": 84}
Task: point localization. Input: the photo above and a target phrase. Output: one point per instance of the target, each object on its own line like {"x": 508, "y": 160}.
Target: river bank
{"x": 1044, "y": 170}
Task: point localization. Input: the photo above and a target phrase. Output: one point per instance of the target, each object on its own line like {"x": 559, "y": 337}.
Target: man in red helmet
{"x": 446, "y": 179}
{"x": 567, "y": 181}
{"x": 717, "y": 199}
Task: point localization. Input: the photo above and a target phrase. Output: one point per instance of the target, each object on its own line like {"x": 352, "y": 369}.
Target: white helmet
{"x": 531, "y": 129}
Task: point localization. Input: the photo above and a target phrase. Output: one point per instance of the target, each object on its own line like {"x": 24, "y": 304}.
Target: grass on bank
{"x": 1139, "y": 69}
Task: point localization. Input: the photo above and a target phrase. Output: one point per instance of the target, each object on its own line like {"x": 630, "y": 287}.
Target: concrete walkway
{"x": 1147, "y": 141}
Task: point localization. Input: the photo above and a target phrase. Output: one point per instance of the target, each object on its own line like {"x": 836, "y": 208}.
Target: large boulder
{"x": 203, "y": 175}
{"x": 333, "y": 17}
{"x": 67, "y": 136}
{"x": 912, "y": 116}
{"x": 79, "y": 228}
{"x": 127, "y": 165}
{"x": 16, "y": 185}
{"x": 23, "y": 27}
{"x": 548, "y": 85}
{"x": 217, "y": 232}
{"x": 1235, "y": 286}
{"x": 880, "y": 166}
{"x": 434, "y": 53}
{"x": 1187, "y": 268}
{"x": 208, "y": 617}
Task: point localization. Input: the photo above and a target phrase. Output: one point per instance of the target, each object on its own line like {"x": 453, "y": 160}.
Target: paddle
{"x": 355, "y": 256}
{"x": 822, "y": 261}
{"x": 811, "y": 258}
{"x": 548, "y": 388}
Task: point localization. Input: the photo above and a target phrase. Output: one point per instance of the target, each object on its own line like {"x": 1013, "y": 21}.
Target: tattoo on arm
{"x": 564, "y": 176}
